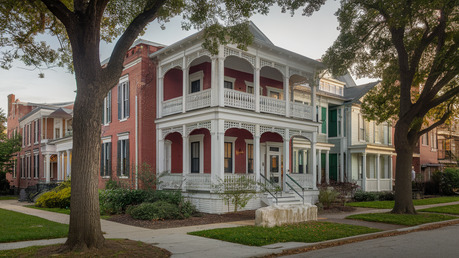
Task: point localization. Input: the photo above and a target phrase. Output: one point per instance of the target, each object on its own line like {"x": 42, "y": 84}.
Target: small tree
{"x": 237, "y": 191}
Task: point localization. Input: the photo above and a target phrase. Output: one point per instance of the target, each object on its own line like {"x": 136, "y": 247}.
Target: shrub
{"x": 449, "y": 181}
{"x": 59, "y": 197}
{"x": 116, "y": 201}
{"x": 386, "y": 196}
{"x": 154, "y": 211}
{"x": 327, "y": 196}
{"x": 362, "y": 196}
{"x": 111, "y": 184}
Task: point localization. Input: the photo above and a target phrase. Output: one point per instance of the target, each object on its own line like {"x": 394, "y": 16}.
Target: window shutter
{"x": 103, "y": 112}
{"x": 109, "y": 159}
{"x": 119, "y": 101}
{"x": 127, "y": 97}
{"x": 102, "y": 160}
{"x": 128, "y": 164}
{"x": 118, "y": 159}
{"x": 109, "y": 105}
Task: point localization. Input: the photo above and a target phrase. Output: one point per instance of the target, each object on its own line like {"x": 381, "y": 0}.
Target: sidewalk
{"x": 180, "y": 244}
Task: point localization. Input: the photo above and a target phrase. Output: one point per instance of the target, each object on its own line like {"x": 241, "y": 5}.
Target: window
{"x": 107, "y": 109}
{"x": 28, "y": 166}
{"x": 195, "y": 153}
{"x": 196, "y": 81}
{"x": 123, "y": 157}
{"x": 228, "y": 85}
{"x": 361, "y": 128}
{"x": 22, "y": 167}
{"x": 35, "y": 165}
{"x": 425, "y": 139}
{"x": 250, "y": 158}
{"x": 123, "y": 100}
{"x": 251, "y": 89}
{"x": 29, "y": 133}
{"x": 433, "y": 140}
{"x": 15, "y": 161}
{"x": 274, "y": 92}
{"x": 35, "y": 132}
{"x": 23, "y": 136}
{"x": 57, "y": 133}
{"x": 106, "y": 159}
{"x": 228, "y": 157}
{"x": 195, "y": 86}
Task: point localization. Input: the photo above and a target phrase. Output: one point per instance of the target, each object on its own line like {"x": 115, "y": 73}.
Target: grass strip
{"x": 308, "y": 232}
{"x": 16, "y": 226}
{"x": 449, "y": 209}
{"x": 390, "y": 204}
{"x": 59, "y": 210}
{"x": 8, "y": 197}
{"x": 401, "y": 219}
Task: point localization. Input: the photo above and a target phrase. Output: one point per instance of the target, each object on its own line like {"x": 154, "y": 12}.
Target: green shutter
{"x": 332, "y": 123}
{"x": 128, "y": 164}
{"x": 118, "y": 159}
{"x": 333, "y": 167}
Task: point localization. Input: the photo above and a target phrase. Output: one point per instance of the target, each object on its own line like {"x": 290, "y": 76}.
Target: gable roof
{"x": 258, "y": 35}
{"x": 353, "y": 94}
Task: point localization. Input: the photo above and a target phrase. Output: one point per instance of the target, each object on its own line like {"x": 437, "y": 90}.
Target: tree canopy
{"x": 8, "y": 146}
{"x": 413, "y": 47}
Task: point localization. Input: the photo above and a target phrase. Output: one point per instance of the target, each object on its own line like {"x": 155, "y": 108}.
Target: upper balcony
{"x": 233, "y": 79}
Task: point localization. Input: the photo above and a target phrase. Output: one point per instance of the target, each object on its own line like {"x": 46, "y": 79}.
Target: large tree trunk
{"x": 85, "y": 229}
{"x": 404, "y": 147}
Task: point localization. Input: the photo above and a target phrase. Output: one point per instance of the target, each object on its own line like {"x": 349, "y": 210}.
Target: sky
{"x": 308, "y": 36}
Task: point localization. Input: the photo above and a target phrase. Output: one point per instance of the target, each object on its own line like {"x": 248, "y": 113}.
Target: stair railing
{"x": 272, "y": 185}
{"x": 291, "y": 187}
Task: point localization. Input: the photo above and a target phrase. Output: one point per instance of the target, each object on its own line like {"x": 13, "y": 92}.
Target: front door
{"x": 274, "y": 162}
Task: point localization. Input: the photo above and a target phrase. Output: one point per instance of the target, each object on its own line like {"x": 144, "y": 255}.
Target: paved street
{"x": 442, "y": 242}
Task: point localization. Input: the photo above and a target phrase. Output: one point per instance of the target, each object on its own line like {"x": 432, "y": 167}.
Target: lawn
{"x": 390, "y": 204}
{"x": 16, "y": 226}
{"x": 450, "y": 209}
{"x": 308, "y": 232}
{"x": 8, "y": 197}
{"x": 401, "y": 219}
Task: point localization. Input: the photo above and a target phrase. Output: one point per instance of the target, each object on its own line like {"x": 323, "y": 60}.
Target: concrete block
{"x": 276, "y": 215}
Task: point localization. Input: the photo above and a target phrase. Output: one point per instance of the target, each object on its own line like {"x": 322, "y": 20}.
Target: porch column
{"x": 256, "y": 85}
{"x": 159, "y": 92}
{"x": 341, "y": 165}
{"x": 364, "y": 171}
{"x": 46, "y": 128}
{"x": 256, "y": 152}
{"x": 46, "y": 167}
{"x": 313, "y": 99}
{"x": 69, "y": 167}
{"x": 327, "y": 167}
{"x": 286, "y": 158}
{"x": 160, "y": 152}
{"x": 217, "y": 150}
{"x": 390, "y": 172}
{"x": 185, "y": 157}
{"x": 221, "y": 78}
{"x": 319, "y": 167}
{"x": 314, "y": 160}
{"x": 59, "y": 166}
{"x": 378, "y": 171}
{"x": 214, "y": 81}
{"x": 184, "y": 84}
{"x": 287, "y": 92}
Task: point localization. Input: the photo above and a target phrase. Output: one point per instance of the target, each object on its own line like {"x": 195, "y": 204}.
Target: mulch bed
{"x": 203, "y": 218}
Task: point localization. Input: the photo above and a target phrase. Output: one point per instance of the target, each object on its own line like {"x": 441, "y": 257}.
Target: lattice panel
{"x": 230, "y": 52}
{"x": 295, "y": 71}
{"x": 264, "y": 129}
{"x": 190, "y": 128}
{"x": 233, "y": 52}
{"x": 170, "y": 65}
{"x": 264, "y": 62}
{"x": 249, "y": 58}
{"x": 280, "y": 67}
{"x": 307, "y": 135}
{"x": 167, "y": 131}
{"x": 195, "y": 55}
{"x": 248, "y": 127}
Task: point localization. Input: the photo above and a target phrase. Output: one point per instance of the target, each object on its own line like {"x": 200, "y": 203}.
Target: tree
{"x": 413, "y": 47}
{"x": 79, "y": 26}
{"x": 8, "y": 146}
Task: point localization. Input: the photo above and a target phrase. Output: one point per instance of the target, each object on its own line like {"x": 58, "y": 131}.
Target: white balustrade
{"x": 239, "y": 99}
{"x": 272, "y": 105}
{"x": 171, "y": 181}
{"x": 198, "y": 99}
{"x": 172, "y": 106}
{"x": 371, "y": 185}
{"x": 305, "y": 180}
{"x": 198, "y": 182}
{"x": 385, "y": 184}
{"x": 299, "y": 110}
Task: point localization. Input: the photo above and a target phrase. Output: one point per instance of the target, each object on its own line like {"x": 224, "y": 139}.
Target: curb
{"x": 347, "y": 240}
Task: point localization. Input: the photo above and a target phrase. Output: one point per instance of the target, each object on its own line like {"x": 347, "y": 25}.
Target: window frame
{"x": 197, "y": 138}
{"x": 123, "y": 100}
{"x": 232, "y": 140}
{"x": 106, "y": 158}
{"x": 247, "y": 143}
{"x": 36, "y": 165}
{"x": 197, "y": 76}
{"x": 107, "y": 109}
{"x": 123, "y": 164}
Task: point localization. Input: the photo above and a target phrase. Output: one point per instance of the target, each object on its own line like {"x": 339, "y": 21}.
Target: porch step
{"x": 282, "y": 199}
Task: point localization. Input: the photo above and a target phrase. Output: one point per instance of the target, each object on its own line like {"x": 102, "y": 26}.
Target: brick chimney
{"x": 11, "y": 100}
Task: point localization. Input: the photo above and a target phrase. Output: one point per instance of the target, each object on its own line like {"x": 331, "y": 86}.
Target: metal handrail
{"x": 267, "y": 190}
{"x": 302, "y": 197}
{"x": 294, "y": 181}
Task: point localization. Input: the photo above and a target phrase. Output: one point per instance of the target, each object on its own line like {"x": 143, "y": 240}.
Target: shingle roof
{"x": 353, "y": 94}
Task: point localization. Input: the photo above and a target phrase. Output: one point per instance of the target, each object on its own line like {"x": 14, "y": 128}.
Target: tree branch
{"x": 60, "y": 11}
{"x": 115, "y": 63}
{"x": 438, "y": 123}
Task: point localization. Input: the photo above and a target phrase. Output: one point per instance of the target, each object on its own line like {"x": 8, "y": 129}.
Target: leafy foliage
{"x": 327, "y": 196}
{"x": 237, "y": 191}
{"x": 362, "y": 196}
{"x": 59, "y": 197}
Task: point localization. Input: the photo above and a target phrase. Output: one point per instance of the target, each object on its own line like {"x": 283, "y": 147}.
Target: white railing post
{"x": 184, "y": 84}
{"x": 256, "y": 84}
{"x": 185, "y": 157}
{"x": 378, "y": 171}
{"x": 327, "y": 167}
{"x": 364, "y": 171}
